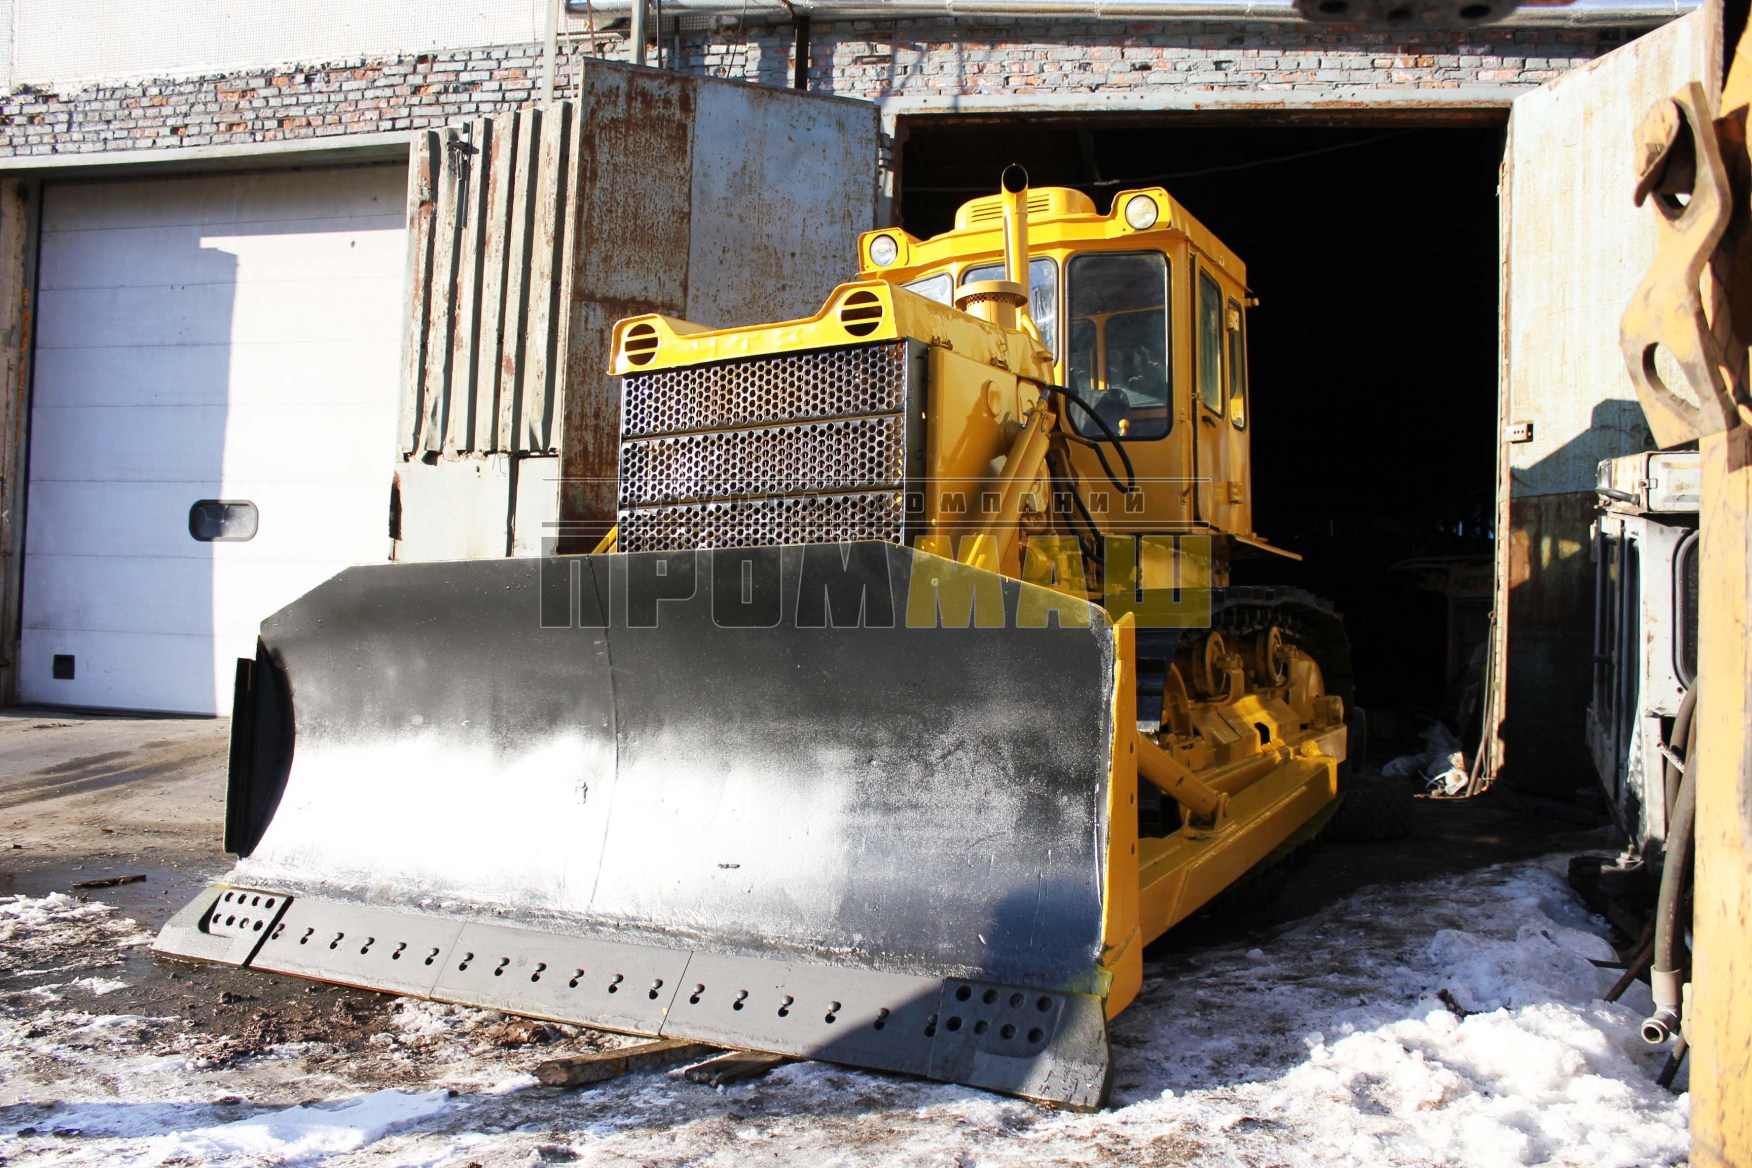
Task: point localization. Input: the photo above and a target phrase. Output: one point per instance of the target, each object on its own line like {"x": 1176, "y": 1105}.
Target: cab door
{"x": 1125, "y": 356}
{"x": 1236, "y": 437}
{"x": 1210, "y": 397}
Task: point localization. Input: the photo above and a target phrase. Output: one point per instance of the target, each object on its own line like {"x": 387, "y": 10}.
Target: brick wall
{"x": 1155, "y": 62}
{"x": 874, "y": 60}
{"x": 271, "y": 105}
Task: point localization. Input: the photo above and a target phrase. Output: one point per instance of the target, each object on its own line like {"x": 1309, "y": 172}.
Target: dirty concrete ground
{"x": 90, "y": 798}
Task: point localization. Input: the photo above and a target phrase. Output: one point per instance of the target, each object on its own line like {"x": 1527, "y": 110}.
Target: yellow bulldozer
{"x": 907, "y": 702}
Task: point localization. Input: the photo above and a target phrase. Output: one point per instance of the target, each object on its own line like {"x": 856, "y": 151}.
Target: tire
{"x": 1374, "y": 810}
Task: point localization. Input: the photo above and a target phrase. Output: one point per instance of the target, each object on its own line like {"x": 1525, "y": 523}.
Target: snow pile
{"x": 1441, "y": 1025}
{"x": 303, "y": 1133}
{"x": 1536, "y": 1086}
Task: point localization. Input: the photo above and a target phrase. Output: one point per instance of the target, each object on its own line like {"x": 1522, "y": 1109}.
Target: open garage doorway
{"x": 1372, "y": 249}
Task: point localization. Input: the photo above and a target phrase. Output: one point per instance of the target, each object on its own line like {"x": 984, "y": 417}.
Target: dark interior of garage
{"x": 1373, "y": 252}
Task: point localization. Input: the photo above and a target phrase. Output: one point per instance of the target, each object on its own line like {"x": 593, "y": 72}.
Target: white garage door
{"x": 227, "y": 338}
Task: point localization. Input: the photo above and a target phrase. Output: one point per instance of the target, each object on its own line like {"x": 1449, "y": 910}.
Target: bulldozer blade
{"x": 755, "y": 798}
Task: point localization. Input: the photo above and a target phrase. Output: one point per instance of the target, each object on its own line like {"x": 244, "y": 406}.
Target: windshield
{"x": 1118, "y": 351}
{"x": 937, "y": 287}
{"x": 1042, "y": 295}
{"x": 1210, "y": 343}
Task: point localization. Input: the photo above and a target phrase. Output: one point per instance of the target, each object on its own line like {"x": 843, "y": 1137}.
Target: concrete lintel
{"x": 333, "y": 149}
{"x": 1170, "y": 99}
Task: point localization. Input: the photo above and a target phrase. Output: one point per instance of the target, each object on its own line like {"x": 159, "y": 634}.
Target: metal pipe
{"x": 635, "y": 28}
{"x": 550, "y": 52}
{"x": 1580, "y": 13}
{"x": 1667, "y": 976}
{"x": 1015, "y": 186}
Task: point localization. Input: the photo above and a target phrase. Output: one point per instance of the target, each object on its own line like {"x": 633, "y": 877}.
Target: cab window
{"x": 1042, "y": 294}
{"x": 1236, "y": 322}
{"x": 1117, "y": 358}
{"x": 937, "y": 287}
{"x": 1210, "y": 343}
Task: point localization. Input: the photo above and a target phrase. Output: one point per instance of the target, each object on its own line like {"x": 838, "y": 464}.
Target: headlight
{"x": 1140, "y": 212}
{"x": 1675, "y": 481}
{"x": 884, "y": 251}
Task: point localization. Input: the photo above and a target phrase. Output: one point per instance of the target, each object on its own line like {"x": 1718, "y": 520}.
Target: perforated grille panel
{"x": 758, "y": 391}
{"x": 763, "y": 522}
{"x": 773, "y": 460}
{"x": 802, "y": 448}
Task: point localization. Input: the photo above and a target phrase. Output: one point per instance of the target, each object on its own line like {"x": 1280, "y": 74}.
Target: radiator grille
{"x": 800, "y": 448}
{"x": 759, "y": 391}
{"x": 763, "y": 522}
{"x": 849, "y": 455}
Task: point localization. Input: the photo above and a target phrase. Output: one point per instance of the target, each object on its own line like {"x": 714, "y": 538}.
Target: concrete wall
{"x": 6, "y": 10}
{"x": 52, "y": 43}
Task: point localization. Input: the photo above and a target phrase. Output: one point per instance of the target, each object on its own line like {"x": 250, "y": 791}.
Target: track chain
{"x": 1305, "y": 620}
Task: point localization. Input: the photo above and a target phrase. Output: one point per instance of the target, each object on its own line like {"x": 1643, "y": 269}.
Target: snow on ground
{"x": 37, "y": 932}
{"x": 1445, "y": 1023}
{"x": 305, "y": 1132}
{"x": 46, "y": 941}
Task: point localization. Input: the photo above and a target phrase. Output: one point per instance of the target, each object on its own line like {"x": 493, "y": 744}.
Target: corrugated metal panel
{"x": 488, "y": 212}
{"x": 496, "y": 196}
{"x": 1574, "y": 249}
{"x": 468, "y": 252}
{"x": 423, "y": 157}
{"x": 532, "y": 422}
{"x": 525, "y": 130}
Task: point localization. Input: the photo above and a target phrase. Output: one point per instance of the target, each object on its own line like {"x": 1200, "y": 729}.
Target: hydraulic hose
{"x": 1667, "y": 975}
{"x": 1076, "y": 399}
{"x": 1062, "y": 482}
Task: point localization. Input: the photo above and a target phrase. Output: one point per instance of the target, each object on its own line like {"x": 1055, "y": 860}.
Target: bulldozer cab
{"x": 1144, "y": 312}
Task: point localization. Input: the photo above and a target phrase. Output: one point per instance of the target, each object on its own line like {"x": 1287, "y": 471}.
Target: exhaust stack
{"x": 1005, "y": 302}
{"x": 1015, "y": 186}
